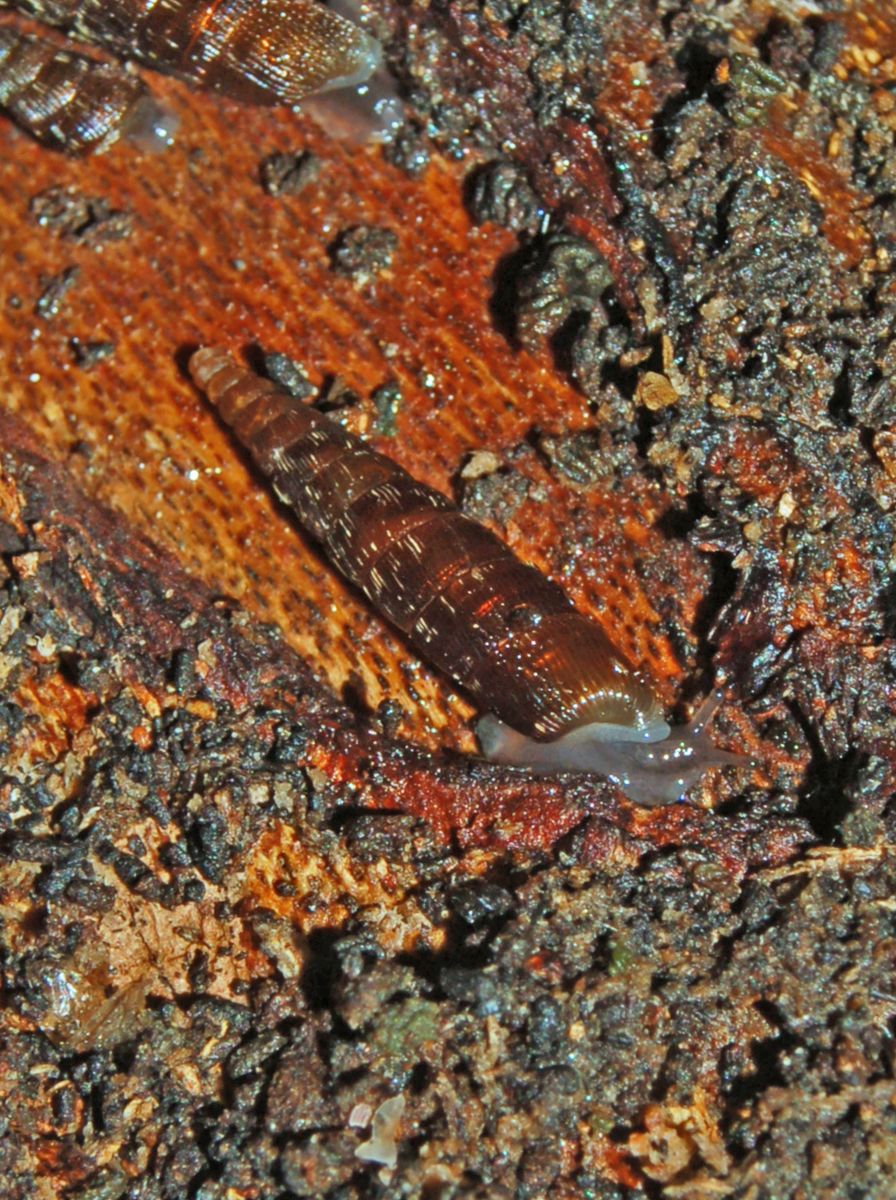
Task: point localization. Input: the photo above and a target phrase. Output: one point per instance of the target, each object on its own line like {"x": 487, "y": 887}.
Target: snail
{"x": 269, "y": 52}
{"x": 70, "y": 102}
{"x": 558, "y": 695}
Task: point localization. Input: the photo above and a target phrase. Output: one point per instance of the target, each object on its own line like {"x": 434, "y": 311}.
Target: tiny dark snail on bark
{"x": 558, "y": 695}
{"x": 268, "y": 52}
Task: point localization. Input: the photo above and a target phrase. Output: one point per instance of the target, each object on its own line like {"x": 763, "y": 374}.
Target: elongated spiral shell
{"x": 68, "y": 101}
{"x": 507, "y": 634}
{"x": 261, "y": 51}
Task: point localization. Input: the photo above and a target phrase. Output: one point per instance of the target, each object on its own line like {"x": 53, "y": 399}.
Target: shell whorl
{"x": 67, "y": 100}
{"x": 506, "y": 634}
{"x": 261, "y": 51}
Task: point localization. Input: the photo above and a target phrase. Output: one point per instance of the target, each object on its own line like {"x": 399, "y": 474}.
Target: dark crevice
{"x": 840, "y": 403}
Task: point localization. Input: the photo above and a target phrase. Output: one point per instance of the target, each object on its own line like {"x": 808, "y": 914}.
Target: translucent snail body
{"x": 70, "y": 102}
{"x": 558, "y": 695}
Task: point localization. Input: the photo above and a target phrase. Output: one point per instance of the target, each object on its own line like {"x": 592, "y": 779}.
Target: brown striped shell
{"x": 262, "y": 51}
{"x": 70, "y": 102}
{"x": 270, "y": 52}
{"x": 507, "y": 634}
{"x": 557, "y": 693}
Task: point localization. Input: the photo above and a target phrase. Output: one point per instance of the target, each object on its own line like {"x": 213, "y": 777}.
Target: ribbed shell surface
{"x": 261, "y": 51}
{"x": 504, "y": 632}
{"x": 65, "y": 100}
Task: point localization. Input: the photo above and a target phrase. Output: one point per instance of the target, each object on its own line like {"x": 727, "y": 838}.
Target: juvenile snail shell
{"x": 558, "y": 694}
{"x": 262, "y": 51}
{"x": 70, "y": 102}
{"x": 269, "y": 52}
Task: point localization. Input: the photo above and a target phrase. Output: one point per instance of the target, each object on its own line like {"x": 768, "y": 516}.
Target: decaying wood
{"x": 245, "y": 901}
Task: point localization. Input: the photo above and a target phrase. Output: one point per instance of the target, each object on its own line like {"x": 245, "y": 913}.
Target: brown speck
{"x": 363, "y": 251}
{"x": 655, "y": 391}
{"x": 85, "y": 219}
{"x": 88, "y": 354}
{"x": 564, "y": 278}
{"x": 286, "y": 174}
{"x": 500, "y": 192}
{"x": 408, "y": 152}
{"x": 51, "y": 298}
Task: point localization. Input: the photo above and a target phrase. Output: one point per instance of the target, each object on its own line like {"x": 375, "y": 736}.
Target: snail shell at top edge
{"x": 258, "y": 52}
{"x": 70, "y": 102}
{"x": 261, "y": 51}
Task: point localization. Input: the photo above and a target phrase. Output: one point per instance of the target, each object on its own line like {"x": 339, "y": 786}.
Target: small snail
{"x": 70, "y": 102}
{"x": 270, "y": 52}
{"x": 559, "y": 696}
